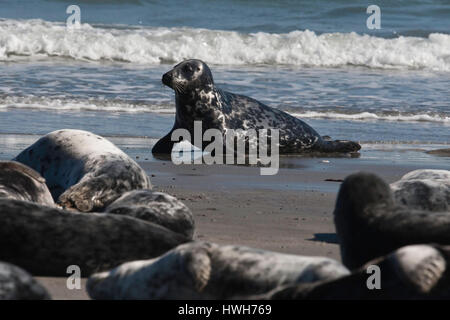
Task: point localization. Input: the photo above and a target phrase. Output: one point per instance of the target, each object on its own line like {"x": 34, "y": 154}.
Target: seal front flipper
{"x": 197, "y": 265}
{"x": 155, "y": 207}
{"x": 182, "y": 272}
{"x": 164, "y": 145}
{"x": 421, "y": 267}
{"x": 411, "y": 272}
{"x": 84, "y": 196}
{"x": 99, "y": 189}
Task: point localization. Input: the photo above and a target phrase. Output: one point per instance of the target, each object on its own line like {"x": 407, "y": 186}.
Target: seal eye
{"x": 187, "y": 69}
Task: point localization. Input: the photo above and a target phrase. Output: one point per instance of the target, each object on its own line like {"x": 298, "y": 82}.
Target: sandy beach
{"x": 290, "y": 212}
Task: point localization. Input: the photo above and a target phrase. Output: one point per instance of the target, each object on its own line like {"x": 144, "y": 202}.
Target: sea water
{"x": 387, "y": 88}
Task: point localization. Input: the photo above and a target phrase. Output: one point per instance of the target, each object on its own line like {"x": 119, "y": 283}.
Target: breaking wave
{"x": 39, "y": 39}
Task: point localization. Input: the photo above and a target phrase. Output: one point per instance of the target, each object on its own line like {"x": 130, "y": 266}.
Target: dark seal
{"x": 411, "y": 272}
{"x": 198, "y": 99}
{"x": 17, "y": 181}
{"x": 370, "y": 223}
{"x": 45, "y": 240}
{"x": 155, "y": 207}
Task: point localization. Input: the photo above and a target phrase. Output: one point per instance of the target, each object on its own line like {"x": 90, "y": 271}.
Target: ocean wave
{"x": 365, "y": 116}
{"x": 38, "y": 39}
{"x": 80, "y": 104}
{"x": 117, "y": 105}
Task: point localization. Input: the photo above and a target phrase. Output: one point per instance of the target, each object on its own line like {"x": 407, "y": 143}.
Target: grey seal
{"x": 83, "y": 171}
{"x": 370, "y": 223}
{"x": 202, "y": 270}
{"x": 45, "y": 240}
{"x": 424, "y": 189}
{"x": 410, "y": 272}
{"x": 20, "y": 182}
{"x": 156, "y": 207}
{"x": 440, "y": 152}
{"x": 17, "y": 284}
{"x": 198, "y": 99}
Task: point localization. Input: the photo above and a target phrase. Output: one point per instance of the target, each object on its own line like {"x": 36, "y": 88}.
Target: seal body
{"x": 370, "y": 223}
{"x": 45, "y": 240}
{"x": 17, "y": 284}
{"x": 202, "y": 270}
{"x": 20, "y": 182}
{"x": 410, "y": 272}
{"x": 82, "y": 170}
{"x": 424, "y": 189}
{"x": 155, "y": 207}
{"x": 198, "y": 99}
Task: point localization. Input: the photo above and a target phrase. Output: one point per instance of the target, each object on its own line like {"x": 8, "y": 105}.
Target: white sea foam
{"x": 79, "y": 104}
{"x": 38, "y": 39}
{"x": 107, "y": 105}
{"x": 364, "y": 116}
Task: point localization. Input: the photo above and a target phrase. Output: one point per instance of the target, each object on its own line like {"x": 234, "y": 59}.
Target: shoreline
{"x": 412, "y": 154}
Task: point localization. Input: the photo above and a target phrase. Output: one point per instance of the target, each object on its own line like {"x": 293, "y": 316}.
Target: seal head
{"x": 20, "y": 182}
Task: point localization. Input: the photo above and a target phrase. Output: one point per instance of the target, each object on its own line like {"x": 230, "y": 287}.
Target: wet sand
{"x": 289, "y": 212}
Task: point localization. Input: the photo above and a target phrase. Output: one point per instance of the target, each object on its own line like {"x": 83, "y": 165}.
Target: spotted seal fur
{"x": 155, "y": 207}
{"x": 198, "y": 99}
{"x": 20, "y": 182}
{"x": 83, "y": 171}
{"x": 425, "y": 189}
{"x": 203, "y": 270}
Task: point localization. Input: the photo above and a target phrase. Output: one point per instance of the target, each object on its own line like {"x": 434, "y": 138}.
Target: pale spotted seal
{"x": 198, "y": 99}
{"x": 202, "y": 270}
{"x": 82, "y": 170}
{"x": 424, "y": 189}
{"x": 156, "y": 207}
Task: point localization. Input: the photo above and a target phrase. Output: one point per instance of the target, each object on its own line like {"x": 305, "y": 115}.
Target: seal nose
{"x": 167, "y": 79}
